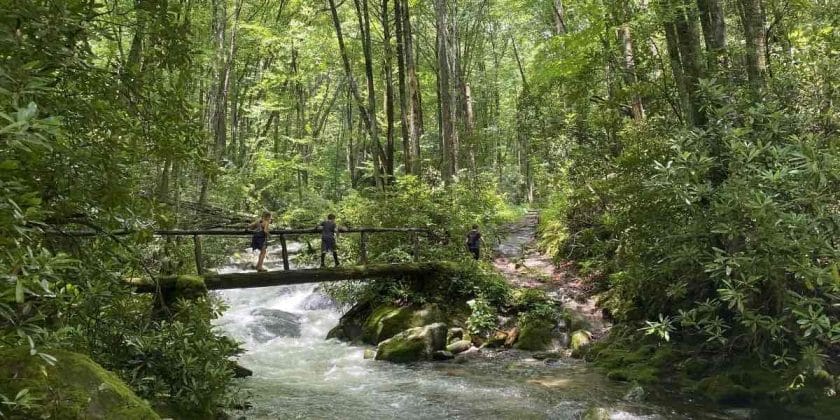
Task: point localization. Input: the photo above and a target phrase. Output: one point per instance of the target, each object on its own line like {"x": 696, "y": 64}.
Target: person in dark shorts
{"x": 474, "y": 241}
{"x": 328, "y": 229}
{"x": 259, "y": 240}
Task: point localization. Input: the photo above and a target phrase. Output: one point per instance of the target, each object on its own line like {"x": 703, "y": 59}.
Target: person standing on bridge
{"x": 474, "y": 241}
{"x": 259, "y": 241}
{"x": 328, "y": 229}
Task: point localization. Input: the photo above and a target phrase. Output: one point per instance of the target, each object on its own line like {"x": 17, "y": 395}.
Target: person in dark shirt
{"x": 474, "y": 241}
{"x": 328, "y": 229}
{"x": 260, "y": 238}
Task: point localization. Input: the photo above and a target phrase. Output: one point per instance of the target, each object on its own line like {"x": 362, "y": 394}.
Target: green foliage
{"x": 483, "y": 317}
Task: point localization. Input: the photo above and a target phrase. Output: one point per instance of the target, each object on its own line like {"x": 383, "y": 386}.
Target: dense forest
{"x": 684, "y": 157}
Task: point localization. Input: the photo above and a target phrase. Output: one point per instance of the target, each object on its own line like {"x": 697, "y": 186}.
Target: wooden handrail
{"x": 243, "y": 232}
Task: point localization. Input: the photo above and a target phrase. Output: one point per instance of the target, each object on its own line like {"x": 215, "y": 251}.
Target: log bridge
{"x": 213, "y": 281}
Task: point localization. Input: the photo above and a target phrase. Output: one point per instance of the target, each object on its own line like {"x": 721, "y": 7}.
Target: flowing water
{"x": 299, "y": 374}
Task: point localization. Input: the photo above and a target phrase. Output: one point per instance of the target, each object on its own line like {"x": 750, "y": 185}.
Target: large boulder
{"x": 74, "y": 387}
{"x": 535, "y": 335}
{"x": 272, "y": 323}
{"x": 350, "y": 325}
{"x": 414, "y": 344}
{"x": 387, "y": 321}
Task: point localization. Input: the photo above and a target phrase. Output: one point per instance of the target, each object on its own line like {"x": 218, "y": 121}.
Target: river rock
{"x": 240, "y": 371}
{"x": 580, "y": 339}
{"x": 349, "y": 327}
{"x": 369, "y": 353}
{"x": 318, "y": 301}
{"x": 272, "y": 323}
{"x": 497, "y": 339}
{"x": 545, "y": 355}
{"x": 535, "y": 335}
{"x": 387, "y": 321}
{"x": 74, "y": 387}
{"x": 455, "y": 334}
{"x": 459, "y": 346}
{"x": 442, "y": 355}
{"x": 413, "y": 344}
{"x": 635, "y": 394}
{"x": 596, "y": 413}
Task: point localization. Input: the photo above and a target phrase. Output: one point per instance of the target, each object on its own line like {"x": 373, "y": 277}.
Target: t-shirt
{"x": 329, "y": 228}
{"x": 473, "y": 238}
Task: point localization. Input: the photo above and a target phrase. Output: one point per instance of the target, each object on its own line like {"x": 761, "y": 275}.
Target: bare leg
{"x": 261, "y": 259}
{"x": 335, "y": 257}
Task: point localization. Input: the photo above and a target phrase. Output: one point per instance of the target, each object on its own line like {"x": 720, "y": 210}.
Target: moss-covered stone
{"x": 74, "y": 387}
{"x": 721, "y": 389}
{"x": 414, "y": 344}
{"x": 351, "y": 324}
{"x": 387, "y": 321}
{"x": 535, "y": 335}
{"x": 580, "y": 339}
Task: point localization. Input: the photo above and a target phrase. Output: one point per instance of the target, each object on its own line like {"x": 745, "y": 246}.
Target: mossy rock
{"x": 580, "y": 339}
{"x": 387, "y": 321}
{"x": 74, "y": 387}
{"x": 414, "y": 344}
{"x": 722, "y": 390}
{"x": 350, "y": 325}
{"x": 535, "y": 335}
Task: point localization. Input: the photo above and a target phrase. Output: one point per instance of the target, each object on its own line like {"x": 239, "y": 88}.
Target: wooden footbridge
{"x": 287, "y": 276}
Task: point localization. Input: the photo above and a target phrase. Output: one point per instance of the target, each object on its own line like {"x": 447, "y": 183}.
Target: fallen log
{"x": 212, "y": 281}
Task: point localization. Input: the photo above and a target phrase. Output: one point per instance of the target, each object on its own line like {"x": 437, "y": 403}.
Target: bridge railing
{"x": 281, "y": 234}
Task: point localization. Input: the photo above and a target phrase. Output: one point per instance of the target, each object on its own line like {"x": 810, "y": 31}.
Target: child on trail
{"x": 260, "y": 238}
{"x": 474, "y": 241}
{"x": 328, "y": 229}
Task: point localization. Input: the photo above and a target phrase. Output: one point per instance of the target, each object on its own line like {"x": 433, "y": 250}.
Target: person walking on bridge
{"x": 328, "y": 229}
{"x": 259, "y": 241}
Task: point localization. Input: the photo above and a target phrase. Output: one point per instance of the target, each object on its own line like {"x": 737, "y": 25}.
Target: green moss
{"x": 535, "y": 335}
{"x": 75, "y": 387}
{"x": 387, "y": 321}
{"x": 408, "y": 346}
{"x": 190, "y": 287}
{"x": 721, "y": 389}
{"x": 580, "y": 339}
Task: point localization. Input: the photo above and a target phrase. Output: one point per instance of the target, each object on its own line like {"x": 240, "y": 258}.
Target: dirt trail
{"x": 521, "y": 262}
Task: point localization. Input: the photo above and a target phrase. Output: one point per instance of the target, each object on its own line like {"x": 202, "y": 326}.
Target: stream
{"x": 299, "y": 374}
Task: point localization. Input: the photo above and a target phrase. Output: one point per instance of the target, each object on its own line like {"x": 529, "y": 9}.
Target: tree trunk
{"x": 714, "y": 32}
{"x": 389, "y": 93}
{"x": 637, "y": 108}
{"x": 416, "y": 116}
{"x": 445, "y": 92}
{"x": 367, "y": 116}
{"x": 379, "y": 158}
{"x": 559, "y": 18}
{"x": 688, "y": 44}
{"x": 401, "y": 59}
{"x": 753, "y": 21}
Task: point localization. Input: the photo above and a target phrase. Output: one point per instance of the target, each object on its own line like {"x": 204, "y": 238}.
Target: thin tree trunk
{"x": 379, "y": 154}
{"x": 389, "y": 93}
{"x": 401, "y": 76}
{"x": 444, "y": 92}
{"x": 367, "y": 116}
{"x": 416, "y": 116}
{"x": 624, "y": 36}
{"x": 559, "y": 18}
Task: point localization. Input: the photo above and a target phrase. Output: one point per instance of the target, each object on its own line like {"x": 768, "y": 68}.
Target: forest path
{"x": 520, "y": 261}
